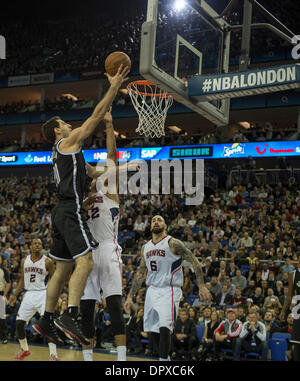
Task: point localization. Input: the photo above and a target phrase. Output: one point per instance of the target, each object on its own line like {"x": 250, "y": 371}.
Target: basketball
{"x": 114, "y": 60}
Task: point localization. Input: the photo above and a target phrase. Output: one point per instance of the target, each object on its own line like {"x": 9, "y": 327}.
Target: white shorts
{"x": 161, "y": 308}
{"x": 106, "y": 273}
{"x": 33, "y": 301}
{"x": 2, "y": 307}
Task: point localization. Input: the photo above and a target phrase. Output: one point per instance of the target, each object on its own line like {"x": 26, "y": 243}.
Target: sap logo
{"x": 149, "y": 153}
{"x": 295, "y": 51}
{"x": 2, "y": 48}
{"x": 261, "y": 152}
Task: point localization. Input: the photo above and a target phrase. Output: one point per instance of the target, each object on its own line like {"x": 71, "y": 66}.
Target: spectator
{"x": 223, "y": 298}
{"x": 252, "y": 339}
{"x": 272, "y": 302}
{"x": 238, "y": 298}
{"x": 288, "y": 266}
{"x": 193, "y": 314}
{"x": 246, "y": 241}
{"x": 206, "y": 317}
{"x": 184, "y": 337}
{"x": 258, "y": 298}
{"x": 208, "y": 335}
{"x": 135, "y": 330}
{"x": 239, "y": 280}
{"x": 227, "y": 332}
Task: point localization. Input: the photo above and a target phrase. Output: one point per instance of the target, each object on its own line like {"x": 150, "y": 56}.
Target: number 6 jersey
{"x": 35, "y": 273}
{"x": 164, "y": 267}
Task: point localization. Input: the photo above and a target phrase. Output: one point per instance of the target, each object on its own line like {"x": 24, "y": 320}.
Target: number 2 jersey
{"x": 164, "y": 267}
{"x": 103, "y": 218}
{"x": 35, "y": 273}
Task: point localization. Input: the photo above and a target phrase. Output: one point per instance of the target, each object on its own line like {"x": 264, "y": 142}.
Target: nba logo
{"x": 2, "y": 48}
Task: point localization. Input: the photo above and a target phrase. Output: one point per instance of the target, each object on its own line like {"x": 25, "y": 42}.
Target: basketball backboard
{"x": 179, "y": 43}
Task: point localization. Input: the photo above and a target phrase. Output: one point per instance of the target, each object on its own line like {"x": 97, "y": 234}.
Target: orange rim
{"x": 147, "y": 83}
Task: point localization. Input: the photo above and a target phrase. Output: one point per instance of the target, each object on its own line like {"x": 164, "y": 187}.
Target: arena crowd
{"x": 247, "y": 239}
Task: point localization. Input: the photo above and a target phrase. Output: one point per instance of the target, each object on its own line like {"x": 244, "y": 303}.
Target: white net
{"x": 151, "y": 105}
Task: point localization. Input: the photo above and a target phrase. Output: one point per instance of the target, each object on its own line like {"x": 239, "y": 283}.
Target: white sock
{"x": 52, "y": 349}
{"x": 121, "y": 351}
{"x": 87, "y": 354}
{"x": 24, "y": 344}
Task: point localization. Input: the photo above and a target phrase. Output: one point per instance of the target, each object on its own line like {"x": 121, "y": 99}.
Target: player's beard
{"x": 157, "y": 230}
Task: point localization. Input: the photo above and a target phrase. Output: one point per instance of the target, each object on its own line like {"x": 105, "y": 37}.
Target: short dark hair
{"x": 48, "y": 129}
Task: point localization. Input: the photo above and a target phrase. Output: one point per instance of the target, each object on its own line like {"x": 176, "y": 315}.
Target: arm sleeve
{"x": 245, "y": 330}
{"x": 236, "y": 333}
{"x": 261, "y": 332}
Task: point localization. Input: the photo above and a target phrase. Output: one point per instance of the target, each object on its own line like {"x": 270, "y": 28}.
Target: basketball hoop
{"x": 151, "y": 105}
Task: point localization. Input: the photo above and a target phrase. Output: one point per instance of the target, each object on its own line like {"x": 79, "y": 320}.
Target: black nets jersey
{"x": 296, "y": 309}
{"x": 297, "y": 281}
{"x": 70, "y": 173}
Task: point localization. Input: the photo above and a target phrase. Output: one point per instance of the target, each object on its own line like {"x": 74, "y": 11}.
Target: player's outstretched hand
{"x": 127, "y": 305}
{"x": 120, "y": 77}
{"x": 204, "y": 294}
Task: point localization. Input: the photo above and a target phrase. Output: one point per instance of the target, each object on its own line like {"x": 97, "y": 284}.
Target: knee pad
{"x": 87, "y": 311}
{"x": 114, "y": 305}
{"x": 20, "y": 329}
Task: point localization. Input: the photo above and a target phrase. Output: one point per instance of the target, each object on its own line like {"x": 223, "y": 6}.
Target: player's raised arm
{"x": 289, "y": 297}
{"x": 111, "y": 144}
{"x": 137, "y": 282}
{"x": 178, "y": 248}
{"x": 79, "y": 134}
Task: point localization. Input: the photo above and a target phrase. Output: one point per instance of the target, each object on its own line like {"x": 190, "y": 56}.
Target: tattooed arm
{"x": 178, "y": 248}
{"x": 137, "y": 282}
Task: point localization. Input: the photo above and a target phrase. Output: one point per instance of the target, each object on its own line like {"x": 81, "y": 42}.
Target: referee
{"x": 4, "y": 289}
{"x": 72, "y": 239}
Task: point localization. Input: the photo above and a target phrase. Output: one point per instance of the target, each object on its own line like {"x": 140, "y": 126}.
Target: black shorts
{"x": 70, "y": 232}
{"x": 296, "y": 332}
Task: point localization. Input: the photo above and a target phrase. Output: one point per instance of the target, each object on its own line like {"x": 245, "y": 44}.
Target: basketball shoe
{"x": 47, "y": 329}
{"x": 22, "y": 354}
{"x": 53, "y": 358}
{"x": 71, "y": 327}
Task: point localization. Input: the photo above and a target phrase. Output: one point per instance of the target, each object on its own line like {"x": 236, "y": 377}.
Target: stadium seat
{"x": 191, "y": 299}
{"x": 278, "y": 349}
{"x": 281, "y": 336}
{"x": 200, "y": 332}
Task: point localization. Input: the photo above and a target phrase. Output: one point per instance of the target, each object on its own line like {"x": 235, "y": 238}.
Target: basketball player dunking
{"x": 34, "y": 271}
{"x": 103, "y": 222}
{"x": 294, "y": 290}
{"x": 72, "y": 239}
{"x": 161, "y": 263}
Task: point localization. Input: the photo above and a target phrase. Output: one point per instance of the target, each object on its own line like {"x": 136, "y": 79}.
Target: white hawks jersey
{"x": 164, "y": 267}
{"x": 103, "y": 218}
{"x": 35, "y": 273}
